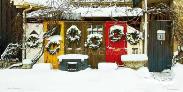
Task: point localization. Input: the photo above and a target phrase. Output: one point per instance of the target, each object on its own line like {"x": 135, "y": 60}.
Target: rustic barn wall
{"x": 1, "y": 26}
{"x": 96, "y": 55}
{"x": 160, "y": 49}
{"x": 76, "y": 47}
{"x": 3, "y": 14}
{"x": 52, "y": 58}
{"x": 10, "y": 25}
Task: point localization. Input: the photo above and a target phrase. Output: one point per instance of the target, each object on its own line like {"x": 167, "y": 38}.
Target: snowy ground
{"x": 89, "y": 80}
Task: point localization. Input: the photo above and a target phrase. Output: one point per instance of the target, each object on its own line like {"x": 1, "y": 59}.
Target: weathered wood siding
{"x": 74, "y": 47}
{"x": 160, "y": 52}
{"x": 49, "y": 58}
{"x": 98, "y": 55}
{"x": 10, "y": 25}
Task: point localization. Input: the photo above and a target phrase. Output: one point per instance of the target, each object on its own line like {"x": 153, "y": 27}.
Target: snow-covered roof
{"x": 102, "y": 0}
{"x": 77, "y": 13}
{"x": 108, "y": 11}
{"x": 48, "y": 3}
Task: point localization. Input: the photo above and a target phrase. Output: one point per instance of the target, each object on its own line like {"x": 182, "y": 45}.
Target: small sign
{"x": 161, "y": 35}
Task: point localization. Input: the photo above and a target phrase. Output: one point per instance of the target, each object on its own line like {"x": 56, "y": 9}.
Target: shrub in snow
{"x": 42, "y": 66}
{"x": 107, "y": 66}
{"x": 10, "y": 53}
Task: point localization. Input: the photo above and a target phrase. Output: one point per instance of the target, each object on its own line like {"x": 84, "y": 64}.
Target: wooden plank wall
{"x": 159, "y": 52}
{"x": 11, "y": 26}
{"x": 95, "y": 56}
{"x": 48, "y": 58}
{"x": 4, "y": 25}
{"x": 0, "y": 26}
{"x": 98, "y": 55}
{"x": 74, "y": 48}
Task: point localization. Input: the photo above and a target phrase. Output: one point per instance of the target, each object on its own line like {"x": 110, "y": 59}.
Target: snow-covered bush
{"x": 10, "y": 53}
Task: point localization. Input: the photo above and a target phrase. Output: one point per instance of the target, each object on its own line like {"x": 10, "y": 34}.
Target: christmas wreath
{"x": 94, "y": 41}
{"x": 133, "y": 38}
{"x": 73, "y": 34}
{"x": 116, "y": 33}
{"x": 53, "y": 46}
{"x": 33, "y": 41}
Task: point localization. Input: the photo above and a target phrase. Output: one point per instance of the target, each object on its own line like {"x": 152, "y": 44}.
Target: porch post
{"x": 24, "y": 32}
{"x": 145, "y": 27}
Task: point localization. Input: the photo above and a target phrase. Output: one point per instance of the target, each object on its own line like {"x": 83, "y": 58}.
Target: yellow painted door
{"x": 50, "y": 57}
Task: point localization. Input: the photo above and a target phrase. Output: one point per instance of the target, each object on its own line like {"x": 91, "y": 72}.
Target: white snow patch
{"x": 27, "y": 61}
{"x": 134, "y": 57}
{"x": 42, "y": 66}
{"x": 72, "y": 56}
{"x": 107, "y": 66}
{"x": 72, "y": 62}
{"x": 161, "y": 31}
{"x": 120, "y": 80}
{"x": 176, "y": 53}
{"x": 131, "y": 29}
{"x": 117, "y": 27}
{"x": 55, "y": 38}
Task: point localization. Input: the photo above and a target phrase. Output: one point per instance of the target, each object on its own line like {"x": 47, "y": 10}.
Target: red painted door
{"x": 114, "y": 49}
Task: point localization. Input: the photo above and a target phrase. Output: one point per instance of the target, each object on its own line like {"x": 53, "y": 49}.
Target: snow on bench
{"x": 107, "y": 66}
{"x": 73, "y": 56}
{"x": 134, "y": 57}
{"x": 134, "y": 61}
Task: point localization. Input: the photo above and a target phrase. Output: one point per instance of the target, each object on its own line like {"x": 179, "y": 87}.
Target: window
{"x": 134, "y": 50}
{"x": 95, "y": 29}
{"x": 55, "y": 28}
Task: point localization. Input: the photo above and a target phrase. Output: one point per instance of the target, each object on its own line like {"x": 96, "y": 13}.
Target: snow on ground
{"x": 89, "y": 80}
